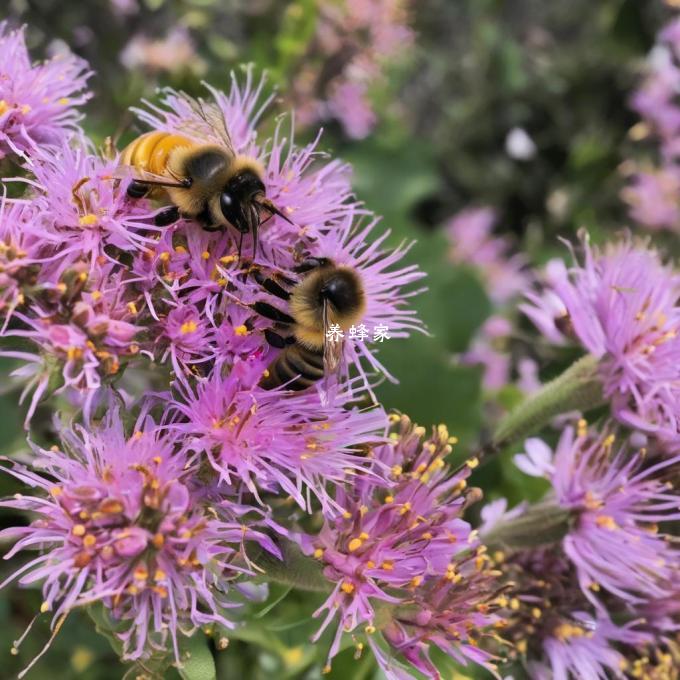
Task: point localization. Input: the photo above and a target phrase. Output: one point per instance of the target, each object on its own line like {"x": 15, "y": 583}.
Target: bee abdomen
{"x": 296, "y": 363}
{"x": 151, "y": 151}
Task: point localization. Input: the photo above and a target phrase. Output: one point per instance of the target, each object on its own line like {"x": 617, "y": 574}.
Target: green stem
{"x": 541, "y": 524}
{"x": 578, "y": 388}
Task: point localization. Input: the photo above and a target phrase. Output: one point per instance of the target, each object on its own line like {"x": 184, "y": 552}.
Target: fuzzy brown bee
{"x": 207, "y": 182}
{"x": 328, "y": 294}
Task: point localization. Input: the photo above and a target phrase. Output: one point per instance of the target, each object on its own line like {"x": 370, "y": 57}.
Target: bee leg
{"x": 270, "y": 285}
{"x": 166, "y": 217}
{"x": 270, "y": 312}
{"x": 311, "y": 263}
{"x": 274, "y": 339}
{"x": 137, "y": 189}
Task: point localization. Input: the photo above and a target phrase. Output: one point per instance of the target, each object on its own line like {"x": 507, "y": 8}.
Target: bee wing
{"x": 333, "y": 350}
{"x": 146, "y": 177}
{"x": 210, "y": 123}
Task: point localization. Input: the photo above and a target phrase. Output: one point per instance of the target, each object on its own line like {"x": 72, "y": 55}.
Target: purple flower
{"x": 37, "y": 102}
{"x": 187, "y": 336}
{"x": 622, "y": 306}
{"x": 403, "y": 560}
{"x": 472, "y": 244}
{"x": 555, "y": 634}
{"x": 358, "y": 36}
{"x": 272, "y": 439}
{"x": 119, "y": 521}
{"x": 487, "y": 350}
{"x": 83, "y": 327}
{"x": 653, "y": 198}
{"x": 82, "y": 207}
{"x": 20, "y": 257}
{"x": 617, "y": 500}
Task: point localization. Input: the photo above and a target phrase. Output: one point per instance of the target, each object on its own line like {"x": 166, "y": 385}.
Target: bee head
{"x": 238, "y": 201}
{"x": 343, "y": 290}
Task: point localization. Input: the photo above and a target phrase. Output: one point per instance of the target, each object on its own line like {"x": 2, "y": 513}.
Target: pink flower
{"x": 403, "y": 561}
{"x": 119, "y": 520}
{"x": 37, "y": 102}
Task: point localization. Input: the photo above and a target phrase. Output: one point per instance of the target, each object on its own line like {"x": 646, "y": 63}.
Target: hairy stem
{"x": 578, "y": 388}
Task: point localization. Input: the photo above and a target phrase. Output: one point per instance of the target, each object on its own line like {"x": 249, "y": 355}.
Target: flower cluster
{"x": 653, "y": 186}
{"x": 162, "y": 521}
{"x": 474, "y": 245}
{"x": 358, "y": 37}
{"x": 504, "y": 277}
{"x": 621, "y": 305}
{"x": 610, "y": 589}
{"x": 120, "y": 520}
{"x": 37, "y": 102}
{"x": 408, "y": 570}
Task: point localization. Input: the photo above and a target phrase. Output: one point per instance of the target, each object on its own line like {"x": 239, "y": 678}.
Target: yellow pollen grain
{"x": 180, "y": 250}
{"x": 88, "y": 220}
{"x": 514, "y": 604}
{"x": 4, "y": 107}
{"x": 354, "y": 544}
{"x": 158, "y": 540}
{"x": 416, "y": 581}
{"x": 79, "y": 530}
{"x": 536, "y": 613}
{"x": 405, "y": 508}
{"x": 346, "y": 515}
{"x": 369, "y": 630}
{"x": 522, "y": 646}
{"x": 606, "y": 522}
{"x": 370, "y": 564}
{"x": 64, "y": 101}
{"x": 159, "y": 575}
{"x": 188, "y": 327}
{"x": 141, "y": 574}
{"x": 397, "y": 470}
{"x": 427, "y": 536}
{"x": 241, "y": 330}
{"x": 228, "y": 259}
{"x": 472, "y": 463}
{"x": 205, "y": 255}
{"x": 389, "y": 499}
{"x": 347, "y": 587}
{"x": 318, "y": 553}
{"x": 89, "y": 540}
{"x": 387, "y": 565}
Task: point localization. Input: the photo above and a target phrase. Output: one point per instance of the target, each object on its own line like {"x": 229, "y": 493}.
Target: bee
{"x": 328, "y": 295}
{"x": 210, "y": 183}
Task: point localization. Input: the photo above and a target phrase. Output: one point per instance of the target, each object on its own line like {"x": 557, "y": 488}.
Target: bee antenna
{"x": 240, "y": 245}
{"x": 268, "y": 205}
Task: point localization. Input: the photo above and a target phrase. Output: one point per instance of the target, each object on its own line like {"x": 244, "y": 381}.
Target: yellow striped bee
{"x": 207, "y": 182}
{"x": 327, "y": 295}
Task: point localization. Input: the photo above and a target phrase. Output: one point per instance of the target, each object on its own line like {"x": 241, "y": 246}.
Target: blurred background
{"x": 483, "y": 129}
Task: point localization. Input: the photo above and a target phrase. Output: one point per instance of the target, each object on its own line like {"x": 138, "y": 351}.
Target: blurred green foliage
{"x": 562, "y": 72}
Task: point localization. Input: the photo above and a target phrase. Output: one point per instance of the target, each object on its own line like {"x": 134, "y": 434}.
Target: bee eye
{"x": 226, "y": 203}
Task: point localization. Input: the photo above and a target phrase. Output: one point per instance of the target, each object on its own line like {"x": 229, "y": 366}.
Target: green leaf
{"x": 295, "y": 569}
{"x": 197, "y": 659}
